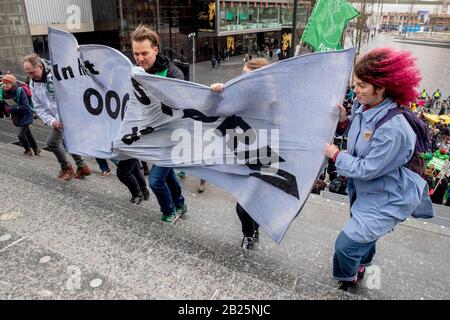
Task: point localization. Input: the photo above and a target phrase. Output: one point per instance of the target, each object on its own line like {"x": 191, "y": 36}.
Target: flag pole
{"x": 294, "y": 28}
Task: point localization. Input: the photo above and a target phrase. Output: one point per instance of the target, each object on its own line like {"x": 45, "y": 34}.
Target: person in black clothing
{"x": 250, "y": 228}
{"x": 218, "y": 59}
{"x": 213, "y": 62}
{"x": 129, "y": 174}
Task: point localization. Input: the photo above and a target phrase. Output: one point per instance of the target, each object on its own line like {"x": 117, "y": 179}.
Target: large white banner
{"x": 261, "y": 139}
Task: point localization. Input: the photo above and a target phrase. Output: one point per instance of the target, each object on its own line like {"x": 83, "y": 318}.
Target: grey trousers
{"x": 26, "y": 138}
{"x": 55, "y": 145}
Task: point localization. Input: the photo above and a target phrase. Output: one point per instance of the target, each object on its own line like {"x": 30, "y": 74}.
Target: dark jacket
{"x": 439, "y": 192}
{"x": 21, "y": 114}
{"x": 162, "y": 63}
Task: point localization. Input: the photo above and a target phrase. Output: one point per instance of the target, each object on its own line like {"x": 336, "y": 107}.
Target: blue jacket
{"x": 386, "y": 191}
{"x": 22, "y": 112}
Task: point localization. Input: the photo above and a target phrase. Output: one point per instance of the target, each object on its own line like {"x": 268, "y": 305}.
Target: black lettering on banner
{"x": 56, "y": 72}
{"x": 198, "y": 116}
{"x": 124, "y": 105}
{"x": 285, "y": 181}
{"x": 81, "y": 68}
{"x": 166, "y": 110}
{"x": 189, "y": 114}
{"x": 248, "y": 137}
{"x": 67, "y": 70}
{"x": 129, "y": 139}
{"x": 268, "y": 153}
{"x": 140, "y": 95}
{"x": 281, "y": 180}
{"x": 87, "y": 101}
{"x": 147, "y": 130}
{"x": 109, "y": 96}
{"x": 232, "y": 123}
{"x": 90, "y": 66}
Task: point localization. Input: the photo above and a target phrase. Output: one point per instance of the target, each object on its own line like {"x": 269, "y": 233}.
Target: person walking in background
{"x": 213, "y": 62}
{"x": 14, "y": 98}
{"x": 218, "y": 61}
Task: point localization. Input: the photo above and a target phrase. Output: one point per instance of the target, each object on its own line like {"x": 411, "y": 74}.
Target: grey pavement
{"x": 84, "y": 240}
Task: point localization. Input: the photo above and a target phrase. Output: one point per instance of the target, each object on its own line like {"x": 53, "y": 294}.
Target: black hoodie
{"x": 162, "y": 63}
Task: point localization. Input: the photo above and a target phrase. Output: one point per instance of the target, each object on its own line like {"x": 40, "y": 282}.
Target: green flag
{"x": 327, "y": 22}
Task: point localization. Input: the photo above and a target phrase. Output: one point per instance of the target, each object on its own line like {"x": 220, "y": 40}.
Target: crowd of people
{"x": 432, "y": 105}
{"x": 377, "y": 170}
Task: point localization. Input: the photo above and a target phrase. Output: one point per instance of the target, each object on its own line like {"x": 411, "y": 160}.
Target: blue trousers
{"x": 164, "y": 184}
{"x": 103, "y": 164}
{"x": 350, "y": 255}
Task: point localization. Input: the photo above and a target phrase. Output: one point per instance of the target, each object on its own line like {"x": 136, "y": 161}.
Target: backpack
{"x": 423, "y": 141}
{"x": 14, "y": 116}
{"x": 27, "y": 90}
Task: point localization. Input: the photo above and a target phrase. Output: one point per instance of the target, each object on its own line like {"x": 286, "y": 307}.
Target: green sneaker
{"x": 169, "y": 217}
{"x": 181, "y": 174}
{"x": 182, "y": 211}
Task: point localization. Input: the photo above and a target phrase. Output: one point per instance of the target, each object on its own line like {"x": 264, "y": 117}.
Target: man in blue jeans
{"x": 162, "y": 181}
{"x": 164, "y": 184}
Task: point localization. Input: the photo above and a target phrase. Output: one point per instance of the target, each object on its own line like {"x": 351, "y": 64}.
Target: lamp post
{"x": 192, "y": 35}
{"x": 294, "y": 28}
{"x": 122, "y": 27}
{"x": 157, "y": 17}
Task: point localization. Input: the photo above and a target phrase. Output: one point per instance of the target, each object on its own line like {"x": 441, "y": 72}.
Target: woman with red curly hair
{"x": 382, "y": 191}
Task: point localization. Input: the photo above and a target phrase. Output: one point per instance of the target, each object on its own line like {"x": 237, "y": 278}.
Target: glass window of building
{"x": 286, "y": 15}
{"x": 268, "y": 16}
{"x": 248, "y": 16}
{"x": 15, "y": 41}
{"x": 235, "y": 16}
{"x": 228, "y": 16}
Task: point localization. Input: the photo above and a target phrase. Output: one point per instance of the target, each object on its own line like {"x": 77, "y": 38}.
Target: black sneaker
{"x": 256, "y": 235}
{"x": 137, "y": 199}
{"x": 247, "y": 243}
{"x": 145, "y": 194}
{"x": 347, "y": 286}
